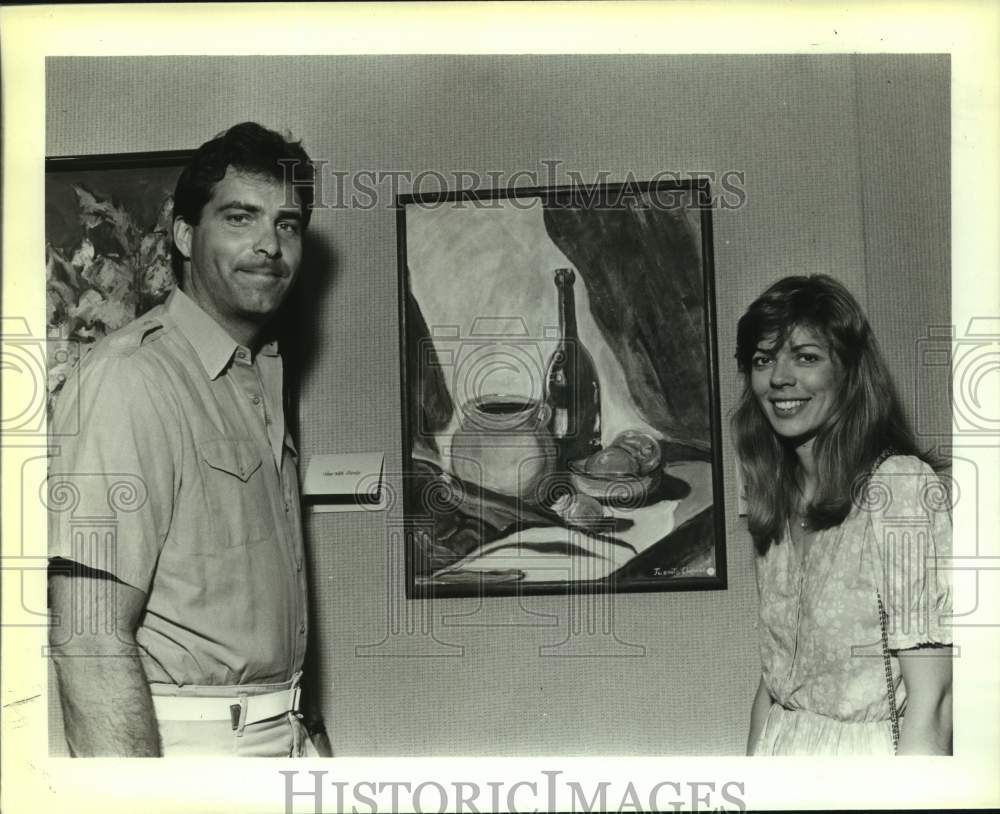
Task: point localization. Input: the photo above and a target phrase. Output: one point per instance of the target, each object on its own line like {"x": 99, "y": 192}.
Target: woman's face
{"x": 797, "y": 385}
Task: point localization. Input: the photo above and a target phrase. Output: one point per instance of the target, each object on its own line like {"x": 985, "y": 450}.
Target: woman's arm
{"x": 926, "y": 727}
{"x": 758, "y": 714}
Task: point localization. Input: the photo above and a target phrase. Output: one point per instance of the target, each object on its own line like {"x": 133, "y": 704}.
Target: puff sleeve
{"x": 909, "y": 528}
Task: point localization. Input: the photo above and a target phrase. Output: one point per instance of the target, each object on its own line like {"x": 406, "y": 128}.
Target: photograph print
{"x": 560, "y": 405}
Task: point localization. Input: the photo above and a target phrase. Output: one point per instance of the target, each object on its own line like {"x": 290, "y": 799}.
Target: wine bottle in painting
{"x": 572, "y": 389}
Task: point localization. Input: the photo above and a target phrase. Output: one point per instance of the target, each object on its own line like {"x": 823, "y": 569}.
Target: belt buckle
{"x": 238, "y": 714}
{"x": 296, "y": 693}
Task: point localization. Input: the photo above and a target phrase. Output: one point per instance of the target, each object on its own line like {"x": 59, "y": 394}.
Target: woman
{"x": 847, "y": 518}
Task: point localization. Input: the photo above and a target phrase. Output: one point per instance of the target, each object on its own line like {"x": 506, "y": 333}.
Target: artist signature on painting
{"x": 682, "y": 571}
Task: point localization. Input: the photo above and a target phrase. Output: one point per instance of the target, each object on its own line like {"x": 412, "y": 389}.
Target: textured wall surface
{"x": 846, "y": 172}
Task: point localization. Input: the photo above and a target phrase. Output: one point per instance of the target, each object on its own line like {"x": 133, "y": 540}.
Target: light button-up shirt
{"x": 174, "y": 410}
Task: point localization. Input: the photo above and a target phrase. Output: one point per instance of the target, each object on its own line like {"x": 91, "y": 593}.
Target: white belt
{"x": 240, "y": 712}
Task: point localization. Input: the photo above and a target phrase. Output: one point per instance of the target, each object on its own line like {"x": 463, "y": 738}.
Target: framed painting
{"x": 559, "y": 391}
{"x": 108, "y": 221}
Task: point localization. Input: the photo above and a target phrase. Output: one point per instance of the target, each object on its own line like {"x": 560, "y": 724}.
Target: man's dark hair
{"x": 249, "y": 148}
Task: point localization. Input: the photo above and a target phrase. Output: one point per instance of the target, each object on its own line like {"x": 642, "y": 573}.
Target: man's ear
{"x": 182, "y": 237}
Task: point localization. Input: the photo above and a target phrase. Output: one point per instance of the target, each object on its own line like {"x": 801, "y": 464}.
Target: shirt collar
{"x": 213, "y": 345}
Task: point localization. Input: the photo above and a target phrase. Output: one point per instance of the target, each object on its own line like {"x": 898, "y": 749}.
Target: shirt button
{"x": 255, "y": 398}
{"x": 298, "y": 566}
{"x": 288, "y": 506}
{"x": 302, "y": 628}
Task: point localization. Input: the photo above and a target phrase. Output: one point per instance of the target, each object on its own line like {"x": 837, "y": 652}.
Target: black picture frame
{"x": 474, "y": 261}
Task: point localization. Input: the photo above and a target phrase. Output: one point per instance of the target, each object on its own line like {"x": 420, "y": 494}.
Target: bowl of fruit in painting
{"x": 626, "y": 471}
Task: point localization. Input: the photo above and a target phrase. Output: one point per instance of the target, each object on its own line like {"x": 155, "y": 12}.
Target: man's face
{"x": 244, "y": 253}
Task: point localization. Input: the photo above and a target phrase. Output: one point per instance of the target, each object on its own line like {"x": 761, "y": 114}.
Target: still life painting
{"x": 108, "y": 223}
{"x": 560, "y": 401}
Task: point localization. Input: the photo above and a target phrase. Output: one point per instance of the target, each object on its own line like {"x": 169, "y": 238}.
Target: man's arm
{"x": 926, "y": 727}
{"x": 107, "y": 707}
{"x": 758, "y": 714}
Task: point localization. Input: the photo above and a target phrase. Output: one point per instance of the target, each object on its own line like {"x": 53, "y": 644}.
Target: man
{"x": 184, "y": 632}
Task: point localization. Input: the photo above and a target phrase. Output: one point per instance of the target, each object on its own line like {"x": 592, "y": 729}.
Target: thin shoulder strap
{"x": 883, "y": 621}
{"x": 883, "y": 618}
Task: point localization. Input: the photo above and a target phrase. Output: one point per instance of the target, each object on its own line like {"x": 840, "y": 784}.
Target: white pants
{"x": 284, "y": 736}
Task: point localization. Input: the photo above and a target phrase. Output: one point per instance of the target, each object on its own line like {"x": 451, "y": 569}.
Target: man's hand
{"x": 319, "y": 739}
{"x": 107, "y": 708}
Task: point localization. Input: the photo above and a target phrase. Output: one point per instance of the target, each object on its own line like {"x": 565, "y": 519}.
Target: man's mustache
{"x": 278, "y": 269}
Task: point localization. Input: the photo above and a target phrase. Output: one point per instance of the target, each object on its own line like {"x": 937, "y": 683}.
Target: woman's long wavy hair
{"x": 867, "y": 420}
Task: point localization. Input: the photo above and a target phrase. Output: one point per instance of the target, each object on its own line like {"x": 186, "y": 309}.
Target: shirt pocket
{"x": 235, "y": 492}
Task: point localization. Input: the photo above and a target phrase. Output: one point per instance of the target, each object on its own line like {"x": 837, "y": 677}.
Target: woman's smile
{"x": 797, "y": 385}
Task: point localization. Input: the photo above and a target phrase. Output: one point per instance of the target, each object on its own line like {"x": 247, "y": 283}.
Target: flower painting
{"x": 561, "y": 424}
{"x": 107, "y": 248}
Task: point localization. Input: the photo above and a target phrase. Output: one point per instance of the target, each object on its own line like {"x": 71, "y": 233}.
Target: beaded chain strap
{"x": 883, "y": 621}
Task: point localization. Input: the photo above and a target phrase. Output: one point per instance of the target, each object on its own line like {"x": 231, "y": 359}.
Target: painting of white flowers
{"x": 107, "y": 247}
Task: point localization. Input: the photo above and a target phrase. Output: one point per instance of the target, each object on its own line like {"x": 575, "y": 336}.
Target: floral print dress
{"x": 820, "y": 637}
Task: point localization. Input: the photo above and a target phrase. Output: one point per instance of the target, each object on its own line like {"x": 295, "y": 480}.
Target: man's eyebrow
{"x": 802, "y": 345}
{"x": 235, "y": 204}
{"x": 285, "y": 213}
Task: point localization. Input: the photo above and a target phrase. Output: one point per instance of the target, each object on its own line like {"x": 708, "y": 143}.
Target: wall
{"x": 846, "y": 171}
